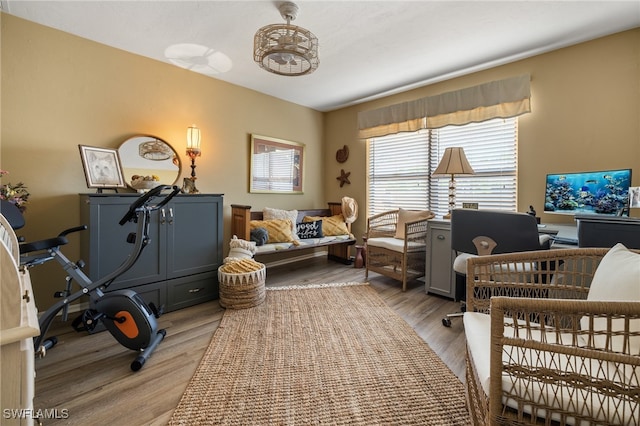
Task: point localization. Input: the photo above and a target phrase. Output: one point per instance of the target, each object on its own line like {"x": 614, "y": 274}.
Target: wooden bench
{"x": 338, "y": 249}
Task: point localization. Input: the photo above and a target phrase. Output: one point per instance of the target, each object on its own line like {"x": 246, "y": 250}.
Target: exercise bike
{"x": 123, "y": 312}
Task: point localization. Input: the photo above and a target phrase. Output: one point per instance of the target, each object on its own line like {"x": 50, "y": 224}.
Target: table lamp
{"x": 453, "y": 162}
{"x": 193, "y": 151}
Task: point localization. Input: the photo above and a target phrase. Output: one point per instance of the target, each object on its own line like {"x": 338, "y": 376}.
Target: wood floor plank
{"x": 90, "y": 376}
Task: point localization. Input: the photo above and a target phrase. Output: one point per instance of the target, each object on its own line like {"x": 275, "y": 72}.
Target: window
{"x": 400, "y": 168}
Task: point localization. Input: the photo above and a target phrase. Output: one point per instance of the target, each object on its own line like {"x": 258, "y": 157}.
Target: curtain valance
{"x": 497, "y": 99}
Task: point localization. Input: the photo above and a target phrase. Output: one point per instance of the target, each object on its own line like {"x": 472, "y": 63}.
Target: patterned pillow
{"x": 279, "y": 230}
{"x": 269, "y": 213}
{"x": 309, "y": 229}
{"x": 331, "y": 225}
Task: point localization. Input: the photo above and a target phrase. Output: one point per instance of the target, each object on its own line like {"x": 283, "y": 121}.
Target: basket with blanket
{"x": 242, "y": 279}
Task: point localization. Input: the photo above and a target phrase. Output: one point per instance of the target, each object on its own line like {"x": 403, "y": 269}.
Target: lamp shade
{"x": 193, "y": 140}
{"x": 453, "y": 162}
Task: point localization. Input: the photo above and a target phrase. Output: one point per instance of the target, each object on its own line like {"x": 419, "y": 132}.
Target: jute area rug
{"x": 320, "y": 355}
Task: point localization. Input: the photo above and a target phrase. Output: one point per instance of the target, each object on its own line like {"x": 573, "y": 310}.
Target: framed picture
{"x": 102, "y": 167}
{"x": 277, "y": 166}
{"x": 634, "y": 196}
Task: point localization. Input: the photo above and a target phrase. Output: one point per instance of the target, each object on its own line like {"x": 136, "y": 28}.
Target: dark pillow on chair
{"x": 260, "y": 236}
{"x": 309, "y": 229}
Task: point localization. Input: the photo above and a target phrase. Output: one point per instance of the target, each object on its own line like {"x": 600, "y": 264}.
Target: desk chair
{"x": 483, "y": 232}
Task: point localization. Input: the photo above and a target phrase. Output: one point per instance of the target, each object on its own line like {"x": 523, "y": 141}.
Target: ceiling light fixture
{"x": 155, "y": 150}
{"x": 286, "y": 49}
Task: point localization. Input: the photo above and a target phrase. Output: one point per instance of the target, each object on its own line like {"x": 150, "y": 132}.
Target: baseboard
{"x": 291, "y": 259}
{"x": 73, "y": 309}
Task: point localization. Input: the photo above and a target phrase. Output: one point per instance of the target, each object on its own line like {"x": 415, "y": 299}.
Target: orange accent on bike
{"x": 128, "y": 327}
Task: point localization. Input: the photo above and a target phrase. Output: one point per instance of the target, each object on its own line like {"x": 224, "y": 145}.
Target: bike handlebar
{"x": 144, "y": 199}
{"x": 70, "y": 230}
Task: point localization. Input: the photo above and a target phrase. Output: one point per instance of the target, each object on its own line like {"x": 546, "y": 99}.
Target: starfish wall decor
{"x": 343, "y": 178}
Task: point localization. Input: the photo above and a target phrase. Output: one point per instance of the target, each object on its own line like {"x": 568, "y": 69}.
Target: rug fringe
{"x": 308, "y": 286}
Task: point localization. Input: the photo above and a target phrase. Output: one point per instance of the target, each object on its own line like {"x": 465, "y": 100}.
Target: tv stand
{"x": 606, "y": 231}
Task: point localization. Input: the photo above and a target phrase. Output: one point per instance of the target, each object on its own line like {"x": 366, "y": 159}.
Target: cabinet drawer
{"x": 192, "y": 290}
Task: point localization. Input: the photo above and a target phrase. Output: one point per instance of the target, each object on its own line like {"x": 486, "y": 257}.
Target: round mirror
{"x": 148, "y": 161}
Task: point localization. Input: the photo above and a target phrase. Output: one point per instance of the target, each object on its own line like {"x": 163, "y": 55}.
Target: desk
{"x": 565, "y": 231}
{"x": 439, "y": 277}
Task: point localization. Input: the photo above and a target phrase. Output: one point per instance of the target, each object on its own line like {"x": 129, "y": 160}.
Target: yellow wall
{"x": 59, "y": 91}
{"x": 585, "y": 116}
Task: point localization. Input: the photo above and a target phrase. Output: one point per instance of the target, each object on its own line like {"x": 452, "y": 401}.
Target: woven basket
{"x": 241, "y": 291}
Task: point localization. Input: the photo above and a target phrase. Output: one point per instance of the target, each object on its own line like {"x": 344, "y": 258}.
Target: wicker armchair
{"x": 396, "y": 244}
{"x": 544, "y": 354}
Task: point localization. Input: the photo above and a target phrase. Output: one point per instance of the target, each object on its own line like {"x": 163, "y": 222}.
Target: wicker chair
{"x": 549, "y": 356}
{"x": 396, "y": 247}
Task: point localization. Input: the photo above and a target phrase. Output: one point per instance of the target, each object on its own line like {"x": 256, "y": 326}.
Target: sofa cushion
{"x": 405, "y": 216}
{"x": 279, "y": 230}
{"x": 331, "y": 225}
{"x": 616, "y": 278}
{"x": 477, "y": 328}
{"x": 269, "y": 213}
{"x": 394, "y": 244}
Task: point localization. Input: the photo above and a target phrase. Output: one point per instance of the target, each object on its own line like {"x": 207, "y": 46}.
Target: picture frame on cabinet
{"x": 102, "y": 167}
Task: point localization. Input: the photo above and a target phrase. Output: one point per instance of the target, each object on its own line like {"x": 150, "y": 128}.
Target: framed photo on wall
{"x": 102, "y": 167}
{"x": 277, "y": 166}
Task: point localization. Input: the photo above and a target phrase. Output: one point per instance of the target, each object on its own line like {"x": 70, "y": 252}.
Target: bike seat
{"x": 43, "y": 244}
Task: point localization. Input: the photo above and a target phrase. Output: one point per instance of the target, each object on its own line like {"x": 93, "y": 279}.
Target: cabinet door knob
{"x": 164, "y": 217}
{"x": 440, "y": 237}
{"x": 170, "y": 215}
{"x": 194, "y": 290}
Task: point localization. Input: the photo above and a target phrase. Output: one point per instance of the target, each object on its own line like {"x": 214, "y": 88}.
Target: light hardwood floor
{"x": 89, "y": 375}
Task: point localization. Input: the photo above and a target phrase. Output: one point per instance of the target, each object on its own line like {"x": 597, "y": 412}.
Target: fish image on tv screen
{"x": 602, "y": 192}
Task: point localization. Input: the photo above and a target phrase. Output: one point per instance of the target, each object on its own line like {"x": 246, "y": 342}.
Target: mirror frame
{"x": 264, "y": 184}
{"x": 143, "y": 138}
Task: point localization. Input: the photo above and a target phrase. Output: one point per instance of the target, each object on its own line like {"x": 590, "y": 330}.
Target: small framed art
{"x": 277, "y": 166}
{"x": 102, "y": 167}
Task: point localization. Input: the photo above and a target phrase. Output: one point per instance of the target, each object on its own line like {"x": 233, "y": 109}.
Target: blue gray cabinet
{"x": 178, "y": 268}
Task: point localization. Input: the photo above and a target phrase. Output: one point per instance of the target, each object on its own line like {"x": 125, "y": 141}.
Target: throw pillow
{"x": 278, "y": 230}
{"x": 405, "y": 216}
{"x": 331, "y": 225}
{"x": 307, "y": 230}
{"x": 616, "y": 278}
{"x": 269, "y": 213}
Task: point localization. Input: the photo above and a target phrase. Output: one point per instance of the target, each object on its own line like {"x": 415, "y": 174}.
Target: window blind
{"x": 272, "y": 171}
{"x": 400, "y": 168}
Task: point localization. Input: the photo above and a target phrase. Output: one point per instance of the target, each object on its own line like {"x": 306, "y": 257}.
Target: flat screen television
{"x": 602, "y": 192}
